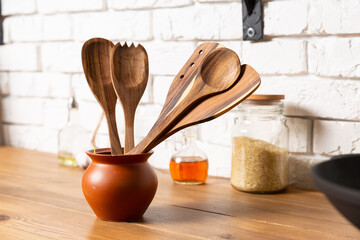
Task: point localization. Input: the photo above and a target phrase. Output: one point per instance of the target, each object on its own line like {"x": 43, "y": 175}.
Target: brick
{"x": 219, "y": 131}
{"x": 337, "y": 57}
{"x": 300, "y": 133}
{"x": 219, "y": 157}
{"x": 61, "y": 57}
{"x": 130, "y": 26}
{"x": 162, "y": 155}
{"x": 285, "y": 17}
{"x": 161, "y": 88}
{"x": 102, "y": 141}
{"x": 23, "y": 28}
{"x": 19, "y": 57}
{"x": 214, "y": 1}
{"x": 56, "y": 113}
{"x": 300, "y": 165}
{"x": 148, "y": 94}
{"x": 59, "y": 84}
{"x": 13, "y": 7}
{"x": 81, "y": 88}
{"x": 167, "y": 58}
{"x": 57, "y": 27}
{"x": 145, "y": 118}
{"x": 336, "y": 137}
{"x": 4, "y": 83}
{"x": 89, "y": 114}
{"x": 28, "y": 84}
{"x": 334, "y": 17}
{"x": 208, "y": 22}
{"x": 120, "y": 121}
{"x": 276, "y": 57}
{"x": 55, "y": 6}
{"x": 314, "y": 97}
{"x": 138, "y": 4}
{"x": 22, "y": 110}
{"x": 31, "y": 137}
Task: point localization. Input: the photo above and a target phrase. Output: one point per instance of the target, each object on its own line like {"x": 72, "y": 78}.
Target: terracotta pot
{"x": 119, "y": 187}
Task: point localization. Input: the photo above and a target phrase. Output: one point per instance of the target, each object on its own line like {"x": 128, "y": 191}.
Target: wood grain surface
{"x": 129, "y": 66}
{"x": 41, "y": 200}
{"x": 212, "y": 74}
{"x": 95, "y": 56}
{"x": 215, "y": 106}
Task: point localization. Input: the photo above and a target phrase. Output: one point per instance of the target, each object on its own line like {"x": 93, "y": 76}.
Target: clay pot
{"x": 119, "y": 187}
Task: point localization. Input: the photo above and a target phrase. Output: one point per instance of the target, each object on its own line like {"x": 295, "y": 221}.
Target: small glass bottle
{"x": 190, "y": 164}
{"x": 73, "y": 138}
{"x": 260, "y": 145}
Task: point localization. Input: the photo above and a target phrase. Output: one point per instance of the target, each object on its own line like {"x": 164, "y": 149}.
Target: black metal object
{"x": 252, "y": 20}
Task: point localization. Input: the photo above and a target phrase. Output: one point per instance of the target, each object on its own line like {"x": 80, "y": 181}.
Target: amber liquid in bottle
{"x": 189, "y": 170}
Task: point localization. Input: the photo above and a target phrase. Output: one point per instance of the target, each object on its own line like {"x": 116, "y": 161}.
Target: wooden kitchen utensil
{"x": 130, "y": 71}
{"x": 95, "y": 55}
{"x": 189, "y": 70}
{"x": 216, "y": 73}
{"x": 215, "y": 106}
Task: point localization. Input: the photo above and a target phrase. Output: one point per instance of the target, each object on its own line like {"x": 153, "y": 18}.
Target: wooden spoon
{"x": 218, "y": 72}
{"x": 130, "y": 71}
{"x": 215, "y": 106}
{"x": 95, "y": 55}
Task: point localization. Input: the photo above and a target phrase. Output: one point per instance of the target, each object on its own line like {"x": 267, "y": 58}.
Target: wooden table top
{"x": 41, "y": 200}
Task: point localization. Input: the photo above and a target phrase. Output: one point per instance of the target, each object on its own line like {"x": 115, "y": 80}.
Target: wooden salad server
{"x": 189, "y": 71}
{"x": 215, "y": 106}
{"x": 95, "y": 55}
{"x": 130, "y": 72}
{"x": 216, "y": 73}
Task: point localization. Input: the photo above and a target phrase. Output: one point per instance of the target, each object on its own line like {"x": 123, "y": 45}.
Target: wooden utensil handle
{"x": 113, "y": 135}
{"x": 160, "y": 127}
{"x": 129, "y": 130}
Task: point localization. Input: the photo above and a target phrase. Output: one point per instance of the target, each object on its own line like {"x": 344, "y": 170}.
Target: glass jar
{"x": 260, "y": 145}
{"x": 73, "y": 138}
{"x": 190, "y": 164}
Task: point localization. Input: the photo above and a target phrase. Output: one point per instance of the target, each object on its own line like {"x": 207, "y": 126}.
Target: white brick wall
{"x": 336, "y": 57}
{"x": 134, "y": 25}
{"x": 336, "y": 137}
{"x": 310, "y": 53}
{"x": 24, "y": 57}
{"x": 56, "y": 6}
{"x": 140, "y": 4}
{"x": 11, "y": 7}
{"x": 280, "y": 56}
{"x": 285, "y": 17}
{"x": 193, "y": 23}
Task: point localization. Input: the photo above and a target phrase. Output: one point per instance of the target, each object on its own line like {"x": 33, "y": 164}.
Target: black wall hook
{"x": 252, "y": 20}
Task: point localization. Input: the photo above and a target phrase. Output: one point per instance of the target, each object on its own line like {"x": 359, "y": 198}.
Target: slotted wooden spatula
{"x": 215, "y": 106}
{"x": 216, "y": 72}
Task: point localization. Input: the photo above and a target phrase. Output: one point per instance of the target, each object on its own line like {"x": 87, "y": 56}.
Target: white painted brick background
{"x": 310, "y": 53}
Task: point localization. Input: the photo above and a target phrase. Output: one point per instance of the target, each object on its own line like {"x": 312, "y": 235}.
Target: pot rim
{"x": 103, "y": 155}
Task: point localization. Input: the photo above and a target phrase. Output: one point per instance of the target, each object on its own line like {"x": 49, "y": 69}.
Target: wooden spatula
{"x": 188, "y": 71}
{"x": 216, "y": 73}
{"x": 95, "y": 55}
{"x": 215, "y": 106}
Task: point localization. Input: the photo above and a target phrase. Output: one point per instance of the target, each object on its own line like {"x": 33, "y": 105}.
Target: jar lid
{"x": 265, "y": 97}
